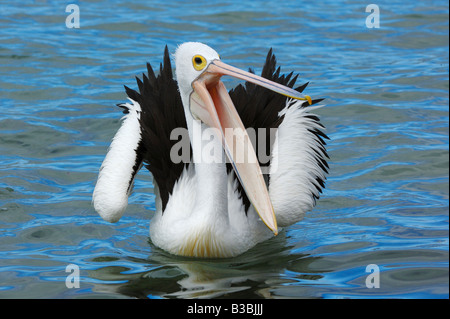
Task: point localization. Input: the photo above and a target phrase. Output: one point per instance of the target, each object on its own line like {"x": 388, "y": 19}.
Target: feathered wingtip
{"x": 166, "y": 71}
{"x": 150, "y": 83}
{"x": 272, "y": 72}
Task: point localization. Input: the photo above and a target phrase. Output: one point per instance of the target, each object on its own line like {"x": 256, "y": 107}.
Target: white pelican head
{"x": 191, "y": 60}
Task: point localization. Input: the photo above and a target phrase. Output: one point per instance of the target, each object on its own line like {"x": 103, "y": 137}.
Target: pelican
{"x": 219, "y": 203}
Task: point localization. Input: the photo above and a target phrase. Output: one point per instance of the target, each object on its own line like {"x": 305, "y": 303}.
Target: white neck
{"x": 210, "y": 169}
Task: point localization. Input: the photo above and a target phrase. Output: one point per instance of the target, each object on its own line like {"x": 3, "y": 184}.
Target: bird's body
{"x": 205, "y": 206}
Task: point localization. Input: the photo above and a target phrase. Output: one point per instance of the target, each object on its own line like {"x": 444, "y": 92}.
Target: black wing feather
{"x": 162, "y": 111}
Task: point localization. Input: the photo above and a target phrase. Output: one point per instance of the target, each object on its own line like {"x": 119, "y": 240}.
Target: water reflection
{"x": 168, "y": 276}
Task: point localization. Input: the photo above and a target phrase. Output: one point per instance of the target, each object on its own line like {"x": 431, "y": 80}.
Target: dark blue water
{"x": 386, "y": 201}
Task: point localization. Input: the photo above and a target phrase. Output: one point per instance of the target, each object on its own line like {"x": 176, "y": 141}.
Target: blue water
{"x": 386, "y": 201}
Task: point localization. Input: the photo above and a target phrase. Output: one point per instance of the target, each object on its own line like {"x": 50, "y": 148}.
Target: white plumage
{"x": 115, "y": 178}
{"x": 294, "y": 167}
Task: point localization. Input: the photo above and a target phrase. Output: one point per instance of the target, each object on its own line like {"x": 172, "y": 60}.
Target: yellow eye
{"x": 198, "y": 62}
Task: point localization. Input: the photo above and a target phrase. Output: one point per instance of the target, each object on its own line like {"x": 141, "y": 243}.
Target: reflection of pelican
{"x": 211, "y": 208}
{"x": 263, "y": 271}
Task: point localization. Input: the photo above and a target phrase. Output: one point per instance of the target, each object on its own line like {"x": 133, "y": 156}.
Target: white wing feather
{"x": 294, "y": 168}
{"x": 114, "y": 183}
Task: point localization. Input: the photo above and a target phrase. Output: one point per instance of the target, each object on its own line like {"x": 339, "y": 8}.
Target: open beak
{"x": 211, "y": 103}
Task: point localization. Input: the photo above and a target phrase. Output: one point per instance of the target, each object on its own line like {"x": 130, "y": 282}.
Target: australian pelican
{"x": 215, "y": 207}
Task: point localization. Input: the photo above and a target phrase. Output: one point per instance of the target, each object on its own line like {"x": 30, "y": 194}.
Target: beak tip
{"x": 273, "y": 227}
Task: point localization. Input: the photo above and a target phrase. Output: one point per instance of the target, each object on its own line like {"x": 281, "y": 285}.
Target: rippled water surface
{"x": 386, "y": 201}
